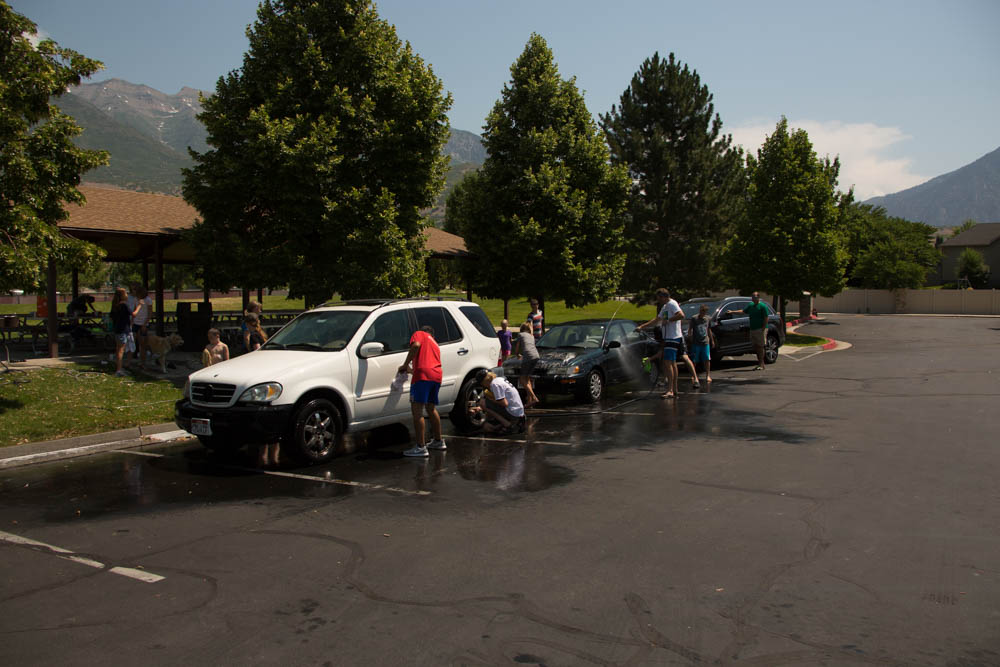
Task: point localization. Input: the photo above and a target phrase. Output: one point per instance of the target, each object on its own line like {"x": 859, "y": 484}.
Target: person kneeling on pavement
{"x": 502, "y": 404}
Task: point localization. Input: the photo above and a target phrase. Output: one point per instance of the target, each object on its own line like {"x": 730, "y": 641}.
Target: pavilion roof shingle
{"x": 124, "y": 211}
{"x": 114, "y": 211}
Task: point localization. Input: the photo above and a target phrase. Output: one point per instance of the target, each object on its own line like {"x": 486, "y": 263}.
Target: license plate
{"x": 201, "y": 426}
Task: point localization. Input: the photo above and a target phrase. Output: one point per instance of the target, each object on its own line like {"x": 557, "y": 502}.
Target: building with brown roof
{"x": 984, "y": 238}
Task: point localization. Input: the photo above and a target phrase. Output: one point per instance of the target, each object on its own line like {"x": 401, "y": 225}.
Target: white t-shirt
{"x": 670, "y": 329}
{"x": 501, "y": 389}
{"x": 142, "y": 317}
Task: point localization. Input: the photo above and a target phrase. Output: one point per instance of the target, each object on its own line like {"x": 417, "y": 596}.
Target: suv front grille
{"x": 212, "y": 392}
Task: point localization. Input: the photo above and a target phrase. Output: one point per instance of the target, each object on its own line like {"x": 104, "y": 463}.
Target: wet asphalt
{"x": 839, "y": 508}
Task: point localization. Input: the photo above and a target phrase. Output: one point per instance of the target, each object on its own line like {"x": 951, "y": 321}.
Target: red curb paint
{"x": 830, "y": 345}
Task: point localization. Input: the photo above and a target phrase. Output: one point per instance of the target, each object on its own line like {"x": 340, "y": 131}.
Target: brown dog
{"x": 162, "y": 345}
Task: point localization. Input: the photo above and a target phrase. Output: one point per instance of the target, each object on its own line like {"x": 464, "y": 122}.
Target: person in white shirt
{"x": 502, "y": 404}
{"x": 141, "y": 310}
{"x": 669, "y": 318}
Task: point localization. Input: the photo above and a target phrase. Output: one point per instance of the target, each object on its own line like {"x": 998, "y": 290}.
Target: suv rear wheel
{"x": 771, "y": 348}
{"x": 462, "y": 414}
{"x": 316, "y": 430}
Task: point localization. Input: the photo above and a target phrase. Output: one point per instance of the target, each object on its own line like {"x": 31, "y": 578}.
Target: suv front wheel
{"x": 316, "y": 430}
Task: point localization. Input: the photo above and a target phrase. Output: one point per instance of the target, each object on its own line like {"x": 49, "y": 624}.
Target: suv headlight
{"x": 261, "y": 393}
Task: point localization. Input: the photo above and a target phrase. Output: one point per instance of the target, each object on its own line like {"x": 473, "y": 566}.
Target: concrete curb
{"x": 85, "y": 445}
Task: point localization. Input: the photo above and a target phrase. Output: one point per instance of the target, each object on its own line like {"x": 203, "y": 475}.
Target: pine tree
{"x": 325, "y": 146}
{"x": 547, "y": 201}
{"x": 687, "y": 178}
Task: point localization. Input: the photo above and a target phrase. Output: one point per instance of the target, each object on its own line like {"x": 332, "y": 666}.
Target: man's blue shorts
{"x": 700, "y": 352}
{"x": 672, "y": 347}
{"x": 424, "y": 391}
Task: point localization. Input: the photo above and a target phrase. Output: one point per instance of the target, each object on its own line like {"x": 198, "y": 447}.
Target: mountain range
{"x": 969, "y": 193}
{"x": 148, "y": 134}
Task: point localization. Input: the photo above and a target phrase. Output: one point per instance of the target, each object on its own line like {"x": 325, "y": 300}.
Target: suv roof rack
{"x": 379, "y": 303}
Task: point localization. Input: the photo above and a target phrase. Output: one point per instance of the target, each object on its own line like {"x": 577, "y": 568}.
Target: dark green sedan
{"x": 583, "y": 357}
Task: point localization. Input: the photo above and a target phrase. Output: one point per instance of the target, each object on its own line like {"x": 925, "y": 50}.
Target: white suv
{"x": 330, "y": 370}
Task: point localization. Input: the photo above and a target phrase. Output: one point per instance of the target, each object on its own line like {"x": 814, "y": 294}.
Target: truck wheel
{"x": 771, "y": 348}
{"x": 462, "y": 414}
{"x": 316, "y": 430}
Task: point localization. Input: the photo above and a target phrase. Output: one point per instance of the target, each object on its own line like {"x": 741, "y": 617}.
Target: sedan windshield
{"x": 573, "y": 335}
{"x": 322, "y": 330}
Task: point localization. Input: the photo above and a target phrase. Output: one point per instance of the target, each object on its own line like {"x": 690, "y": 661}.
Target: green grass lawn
{"x": 800, "y": 340}
{"x": 47, "y": 403}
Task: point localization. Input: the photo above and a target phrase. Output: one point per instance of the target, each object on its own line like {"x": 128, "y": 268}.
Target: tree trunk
{"x": 781, "y": 300}
{"x": 506, "y": 309}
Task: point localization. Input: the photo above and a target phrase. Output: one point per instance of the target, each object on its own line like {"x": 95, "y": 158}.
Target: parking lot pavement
{"x": 840, "y": 510}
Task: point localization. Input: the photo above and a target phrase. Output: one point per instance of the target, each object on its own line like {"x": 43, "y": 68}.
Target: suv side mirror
{"x": 372, "y": 349}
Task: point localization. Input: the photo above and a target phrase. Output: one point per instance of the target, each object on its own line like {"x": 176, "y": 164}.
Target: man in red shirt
{"x": 426, "y": 357}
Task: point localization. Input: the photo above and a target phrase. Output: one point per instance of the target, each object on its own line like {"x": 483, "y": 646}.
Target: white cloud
{"x": 37, "y": 37}
{"x": 861, "y": 147}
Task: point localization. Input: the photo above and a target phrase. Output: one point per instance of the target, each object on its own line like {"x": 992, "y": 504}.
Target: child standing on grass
{"x": 216, "y": 351}
{"x": 702, "y": 340}
{"x": 121, "y": 319}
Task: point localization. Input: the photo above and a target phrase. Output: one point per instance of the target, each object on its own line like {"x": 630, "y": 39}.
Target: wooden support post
{"x": 159, "y": 288}
{"x": 53, "y": 319}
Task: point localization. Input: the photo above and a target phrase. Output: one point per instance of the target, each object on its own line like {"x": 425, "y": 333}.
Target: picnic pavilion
{"x": 143, "y": 227}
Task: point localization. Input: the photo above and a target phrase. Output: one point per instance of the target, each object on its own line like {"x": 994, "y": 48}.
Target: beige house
{"x": 984, "y": 238}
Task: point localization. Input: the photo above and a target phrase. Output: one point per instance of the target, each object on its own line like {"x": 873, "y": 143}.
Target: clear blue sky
{"x": 902, "y": 91}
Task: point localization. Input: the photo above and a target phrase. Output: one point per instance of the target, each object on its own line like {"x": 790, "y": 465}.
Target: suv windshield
{"x": 691, "y": 309}
{"x": 323, "y": 330}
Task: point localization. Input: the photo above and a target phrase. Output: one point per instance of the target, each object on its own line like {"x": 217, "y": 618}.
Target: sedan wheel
{"x": 316, "y": 430}
{"x": 771, "y": 349}
{"x": 592, "y": 387}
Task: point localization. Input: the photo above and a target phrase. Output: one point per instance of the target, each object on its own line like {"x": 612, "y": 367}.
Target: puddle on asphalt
{"x": 188, "y": 474}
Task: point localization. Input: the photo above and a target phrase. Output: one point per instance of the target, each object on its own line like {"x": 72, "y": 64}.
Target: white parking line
{"x": 132, "y": 573}
{"x": 520, "y": 442}
{"x": 291, "y": 475}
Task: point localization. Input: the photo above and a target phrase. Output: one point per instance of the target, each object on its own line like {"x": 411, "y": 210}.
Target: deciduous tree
{"x": 40, "y": 166}
{"x": 549, "y": 206}
{"x": 789, "y": 241}
{"x": 688, "y": 183}
{"x": 973, "y": 268}
{"x": 324, "y": 147}
{"x": 886, "y": 252}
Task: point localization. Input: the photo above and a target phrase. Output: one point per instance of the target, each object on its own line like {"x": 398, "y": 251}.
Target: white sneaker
{"x": 437, "y": 444}
{"x": 415, "y": 451}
